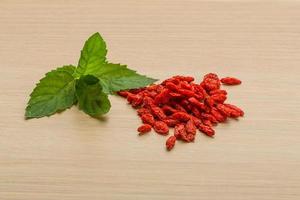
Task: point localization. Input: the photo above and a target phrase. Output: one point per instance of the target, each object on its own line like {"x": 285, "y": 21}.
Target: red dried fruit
{"x": 123, "y": 93}
{"x": 171, "y": 86}
{"x": 171, "y": 122}
{"x": 143, "y": 111}
{"x": 196, "y": 112}
{"x": 148, "y": 102}
{"x": 185, "y": 85}
{"x": 168, "y": 110}
{"x": 231, "y": 81}
{"x": 209, "y": 101}
{"x": 218, "y": 92}
{"x": 212, "y": 76}
{"x": 162, "y": 97}
{"x": 180, "y": 103}
{"x": 186, "y": 93}
{"x": 196, "y": 121}
{"x": 158, "y": 112}
{"x": 220, "y": 98}
{"x": 207, "y": 122}
{"x": 218, "y": 115}
{"x": 175, "y": 95}
{"x": 224, "y": 109}
{"x": 235, "y": 108}
{"x": 181, "y": 116}
{"x": 207, "y": 130}
{"x": 178, "y": 107}
{"x": 179, "y": 131}
{"x": 170, "y": 143}
{"x": 148, "y": 119}
{"x": 209, "y": 117}
{"x": 190, "y": 137}
{"x": 197, "y": 103}
{"x": 184, "y": 78}
{"x": 190, "y": 127}
{"x": 161, "y": 127}
{"x": 145, "y": 128}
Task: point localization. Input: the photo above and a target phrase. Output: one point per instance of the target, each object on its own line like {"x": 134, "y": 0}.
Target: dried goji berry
{"x": 161, "y": 127}
{"x": 207, "y": 122}
{"x": 178, "y": 107}
{"x": 185, "y": 85}
{"x": 184, "y": 78}
{"x": 180, "y": 103}
{"x": 218, "y": 92}
{"x": 179, "y": 131}
{"x": 186, "y": 93}
{"x": 207, "y": 130}
{"x": 218, "y": 115}
{"x": 196, "y": 112}
{"x": 224, "y": 109}
{"x": 142, "y": 111}
{"x": 158, "y": 112}
{"x": 148, "y": 102}
{"x": 190, "y": 127}
{"x": 148, "y": 119}
{"x": 170, "y": 143}
{"x": 231, "y": 81}
{"x": 190, "y": 137}
{"x": 162, "y": 97}
{"x": 145, "y": 128}
{"x": 123, "y": 93}
{"x": 181, "y": 116}
{"x": 171, "y": 86}
{"x": 197, "y": 103}
{"x": 196, "y": 121}
{"x": 235, "y": 108}
{"x": 220, "y": 98}
{"x": 171, "y": 122}
{"x": 168, "y": 110}
{"x": 209, "y": 117}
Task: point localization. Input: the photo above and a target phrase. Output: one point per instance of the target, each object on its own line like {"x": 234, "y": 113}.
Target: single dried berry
{"x": 231, "y": 81}
{"x": 207, "y": 130}
{"x": 171, "y": 86}
{"x": 235, "y": 108}
{"x": 197, "y": 103}
{"x": 171, "y": 122}
{"x": 168, "y": 110}
{"x": 219, "y": 98}
{"x": 218, "y": 91}
{"x": 179, "y": 131}
{"x": 148, "y": 119}
{"x": 170, "y": 143}
{"x": 162, "y": 97}
{"x": 142, "y": 111}
{"x": 181, "y": 116}
{"x": 145, "y": 128}
{"x": 219, "y": 117}
{"x": 190, "y": 137}
{"x": 158, "y": 112}
{"x": 190, "y": 127}
{"x": 161, "y": 127}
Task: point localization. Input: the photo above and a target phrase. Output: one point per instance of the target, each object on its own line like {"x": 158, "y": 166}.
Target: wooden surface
{"x": 71, "y": 156}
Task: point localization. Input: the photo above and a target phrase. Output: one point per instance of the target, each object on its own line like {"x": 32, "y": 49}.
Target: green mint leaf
{"x": 55, "y": 92}
{"x": 92, "y": 56}
{"x": 116, "y": 77}
{"x": 90, "y": 97}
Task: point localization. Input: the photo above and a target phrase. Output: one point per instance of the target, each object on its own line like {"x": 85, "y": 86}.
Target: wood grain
{"x": 70, "y": 156}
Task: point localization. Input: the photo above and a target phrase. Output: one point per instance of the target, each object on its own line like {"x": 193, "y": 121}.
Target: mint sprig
{"x": 89, "y": 83}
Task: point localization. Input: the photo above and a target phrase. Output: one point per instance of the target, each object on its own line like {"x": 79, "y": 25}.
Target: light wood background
{"x": 71, "y": 156}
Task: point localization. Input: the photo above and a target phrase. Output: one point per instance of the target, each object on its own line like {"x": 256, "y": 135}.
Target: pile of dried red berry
{"x": 187, "y": 106}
